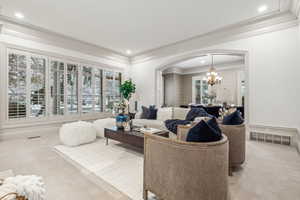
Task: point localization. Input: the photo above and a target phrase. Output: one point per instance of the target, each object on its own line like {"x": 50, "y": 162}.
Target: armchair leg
{"x": 230, "y": 171}
{"x": 145, "y": 195}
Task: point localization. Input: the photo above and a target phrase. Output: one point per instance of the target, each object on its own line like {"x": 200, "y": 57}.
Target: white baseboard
{"x": 35, "y": 129}
{"x": 282, "y": 131}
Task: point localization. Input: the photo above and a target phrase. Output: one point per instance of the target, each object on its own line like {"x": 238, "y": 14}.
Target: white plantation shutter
{"x": 72, "y": 88}
{"x": 87, "y": 90}
{"x": 57, "y": 81}
{"x": 37, "y": 86}
{"x": 98, "y": 90}
{"x": 17, "y": 68}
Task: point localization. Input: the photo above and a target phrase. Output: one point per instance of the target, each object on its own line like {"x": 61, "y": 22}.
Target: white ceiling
{"x": 207, "y": 60}
{"x": 138, "y": 25}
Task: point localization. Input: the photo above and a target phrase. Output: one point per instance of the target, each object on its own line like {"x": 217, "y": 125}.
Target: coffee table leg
{"x": 106, "y": 141}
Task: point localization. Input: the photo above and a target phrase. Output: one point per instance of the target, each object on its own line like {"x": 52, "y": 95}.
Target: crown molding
{"x": 225, "y": 66}
{"x": 265, "y": 24}
{"x": 27, "y": 31}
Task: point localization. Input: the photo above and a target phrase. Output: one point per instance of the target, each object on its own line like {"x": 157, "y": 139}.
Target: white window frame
{"x": 48, "y": 58}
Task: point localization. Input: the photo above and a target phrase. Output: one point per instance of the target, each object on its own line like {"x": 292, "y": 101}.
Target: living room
{"x": 101, "y": 99}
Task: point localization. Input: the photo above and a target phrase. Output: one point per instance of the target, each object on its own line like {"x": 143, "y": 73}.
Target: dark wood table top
{"x": 135, "y": 138}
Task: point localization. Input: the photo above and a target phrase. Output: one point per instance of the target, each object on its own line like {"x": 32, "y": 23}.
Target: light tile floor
{"x": 271, "y": 172}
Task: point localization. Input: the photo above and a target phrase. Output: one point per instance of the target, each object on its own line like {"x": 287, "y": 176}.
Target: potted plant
{"x": 126, "y": 90}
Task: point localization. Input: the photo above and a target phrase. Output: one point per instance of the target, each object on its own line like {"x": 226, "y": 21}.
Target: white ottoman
{"x": 100, "y": 124}
{"x": 77, "y": 133}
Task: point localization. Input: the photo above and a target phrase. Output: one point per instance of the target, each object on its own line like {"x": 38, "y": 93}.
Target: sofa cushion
{"x": 164, "y": 114}
{"x": 180, "y": 113}
{"x": 204, "y": 132}
{"x": 234, "y": 118}
{"x": 150, "y": 123}
{"x": 101, "y": 124}
{"x": 196, "y": 112}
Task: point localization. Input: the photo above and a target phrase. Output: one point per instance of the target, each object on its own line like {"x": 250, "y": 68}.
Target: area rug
{"x": 118, "y": 165}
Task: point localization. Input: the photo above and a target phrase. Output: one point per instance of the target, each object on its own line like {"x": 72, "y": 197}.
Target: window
{"x": 112, "y": 82}
{"x": 72, "y": 88}
{"x": 200, "y": 91}
{"x": 98, "y": 90}
{"x": 57, "y": 88}
{"x": 87, "y": 90}
{"x": 37, "y": 86}
{"x": 16, "y": 85}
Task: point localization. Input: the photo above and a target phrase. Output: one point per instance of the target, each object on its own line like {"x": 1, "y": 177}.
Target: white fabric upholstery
{"x": 180, "y": 113}
{"x": 30, "y": 186}
{"x": 150, "y": 123}
{"x": 77, "y": 133}
{"x": 6, "y": 189}
{"x": 100, "y": 124}
{"x": 164, "y": 113}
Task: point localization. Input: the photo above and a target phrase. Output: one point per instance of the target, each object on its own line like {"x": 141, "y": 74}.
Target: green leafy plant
{"x": 127, "y": 89}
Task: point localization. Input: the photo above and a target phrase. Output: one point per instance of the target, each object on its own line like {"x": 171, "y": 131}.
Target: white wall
{"x": 274, "y": 69}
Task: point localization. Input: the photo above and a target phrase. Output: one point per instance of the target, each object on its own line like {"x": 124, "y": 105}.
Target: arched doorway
{"x": 159, "y": 95}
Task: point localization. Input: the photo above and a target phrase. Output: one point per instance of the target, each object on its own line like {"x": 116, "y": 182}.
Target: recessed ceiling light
{"x": 203, "y": 61}
{"x": 19, "y": 15}
{"x": 128, "y": 51}
{"x": 262, "y": 8}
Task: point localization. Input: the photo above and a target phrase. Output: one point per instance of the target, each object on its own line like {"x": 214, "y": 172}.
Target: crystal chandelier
{"x": 212, "y": 76}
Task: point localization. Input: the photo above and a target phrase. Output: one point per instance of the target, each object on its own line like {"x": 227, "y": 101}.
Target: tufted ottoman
{"x": 77, "y": 133}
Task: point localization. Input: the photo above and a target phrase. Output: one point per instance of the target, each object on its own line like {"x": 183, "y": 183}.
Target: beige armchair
{"x": 236, "y": 135}
{"x": 177, "y": 170}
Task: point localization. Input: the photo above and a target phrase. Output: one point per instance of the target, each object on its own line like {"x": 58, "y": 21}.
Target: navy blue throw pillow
{"x": 152, "y": 112}
{"x": 214, "y": 124}
{"x": 196, "y": 112}
{"x": 204, "y": 132}
{"x": 234, "y": 118}
{"x": 145, "y": 112}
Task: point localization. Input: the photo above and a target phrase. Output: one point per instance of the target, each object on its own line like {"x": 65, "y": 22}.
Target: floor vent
{"x": 270, "y": 138}
{"x": 33, "y": 137}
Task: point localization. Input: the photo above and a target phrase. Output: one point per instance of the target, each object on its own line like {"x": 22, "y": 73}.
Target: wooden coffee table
{"x": 134, "y": 138}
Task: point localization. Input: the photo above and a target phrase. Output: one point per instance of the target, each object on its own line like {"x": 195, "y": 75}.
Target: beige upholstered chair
{"x": 236, "y": 135}
{"x": 177, "y": 170}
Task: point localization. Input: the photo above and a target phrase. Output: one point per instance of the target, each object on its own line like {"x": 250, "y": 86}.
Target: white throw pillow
{"x": 77, "y": 133}
{"x": 164, "y": 114}
{"x": 100, "y": 124}
{"x": 180, "y": 113}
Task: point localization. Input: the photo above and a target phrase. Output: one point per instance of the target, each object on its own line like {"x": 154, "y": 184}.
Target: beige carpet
{"x": 117, "y": 165}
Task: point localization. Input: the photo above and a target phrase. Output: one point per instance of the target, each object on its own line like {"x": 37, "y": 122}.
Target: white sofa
{"x": 163, "y": 114}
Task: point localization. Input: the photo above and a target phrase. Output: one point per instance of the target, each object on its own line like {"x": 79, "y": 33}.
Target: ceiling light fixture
{"x": 212, "y": 77}
{"x": 128, "y": 52}
{"x": 203, "y": 61}
{"x": 262, "y": 8}
{"x": 19, "y": 15}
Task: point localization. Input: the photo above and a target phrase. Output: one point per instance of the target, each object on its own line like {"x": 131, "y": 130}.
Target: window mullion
{"x": 28, "y": 85}
{"x": 65, "y": 89}
{"x": 93, "y": 89}
{"x": 79, "y": 89}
